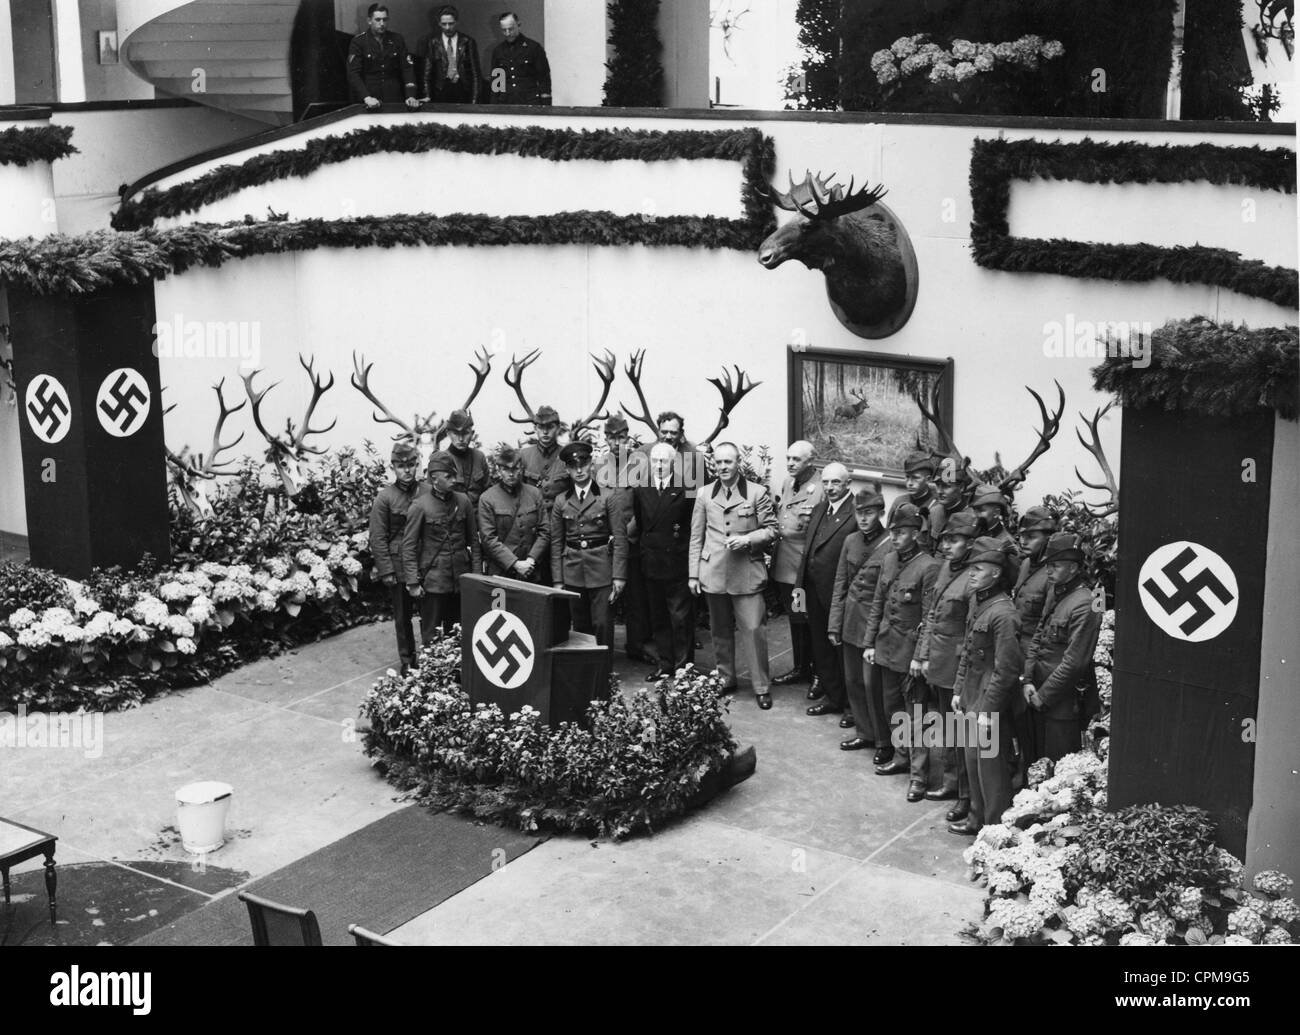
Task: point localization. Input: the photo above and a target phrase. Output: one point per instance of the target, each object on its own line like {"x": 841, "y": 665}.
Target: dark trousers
{"x": 919, "y": 701}
{"x": 591, "y": 613}
{"x": 636, "y": 605}
{"x": 954, "y": 754}
{"x": 1027, "y": 734}
{"x": 1054, "y": 738}
{"x": 826, "y": 656}
{"x": 404, "y": 608}
{"x": 800, "y": 634}
{"x": 436, "y": 611}
{"x": 875, "y": 680}
{"x": 671, "y": 612}
{"x": 444, "y": 91}
{"x": 856, "y": 675}
{"x": 990, "y": 778}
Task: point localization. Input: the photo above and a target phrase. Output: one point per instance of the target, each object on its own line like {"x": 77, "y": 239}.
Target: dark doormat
{"x": 379, "y": 877}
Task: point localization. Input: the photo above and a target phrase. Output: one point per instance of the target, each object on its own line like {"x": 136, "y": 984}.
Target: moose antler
{"x": 731, "y": 396}
{"x": 817, "y": 199}
{"x": 1108, "y": 484}
{"x": 361, "y": 382}
{"x": 1051, "y": 425}
{"x": 318, "y": 388}
{"x": 482, "y": 366}
{"x": 605, "y": 371}
{"x": 515, "y": 379}
{"x": 633, "y": 371}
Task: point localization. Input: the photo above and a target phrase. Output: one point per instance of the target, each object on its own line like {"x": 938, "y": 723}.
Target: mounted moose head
{"x": 193, "y": 473}
{"x": 858, "y": 243}
{"x": 289, "y": 451}
{"x": 421, "y": 432}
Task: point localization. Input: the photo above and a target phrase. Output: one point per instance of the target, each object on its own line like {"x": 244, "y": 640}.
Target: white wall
{"x": 420, "y": 312}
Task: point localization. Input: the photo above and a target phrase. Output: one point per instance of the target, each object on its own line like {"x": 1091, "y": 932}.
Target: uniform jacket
{"x": 821, "y": 556}
{"x": 794, "y": 507}
{"x": 599, "y": 517}
{"x": 471, "y": 476}
{"x": 387, "y": 523}
{"x": 988, "y": 672}
{"x": 513, "y": 526}
{"x": 380, "y": 67}
{"x": 944, "y": 627}
{"x": 852, "y": 596}
{"x": 1030, "y": 597}
{"x": 894, "y": 619}
{"x": 1060, "y": 656}
{"x": 545, "y": 470}
{"x": 524, "y": 73}
{"x": 933, "y": 517}
{"x": 663, "y": 522}
{"x": 433, "y": 65}
{"x": 749, "y": 513}
{"x": 1007, "y": 540}
{"x": 440, "y": 543}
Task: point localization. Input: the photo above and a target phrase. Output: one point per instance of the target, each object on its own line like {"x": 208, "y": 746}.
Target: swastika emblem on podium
{"x": 122, "y": 404}
{"x": 48, "y": 411}
{"x": 503, "y": 649}
{"x": 1189, "y": 591}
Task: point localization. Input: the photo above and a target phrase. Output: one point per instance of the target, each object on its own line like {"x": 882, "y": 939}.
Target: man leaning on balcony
{"x": 449, "y": 63}
{"x": 380, "y": 71}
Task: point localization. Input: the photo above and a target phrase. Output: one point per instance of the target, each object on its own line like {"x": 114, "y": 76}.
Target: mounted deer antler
{"x": 1051, "y": 425}
{"x": 288, "y": 452}
{"x": 482, "y": 366}
{"x": 731, "y": 396}
{"x": 633, "y": 371}
{"x": 515, "y": 379}
{"x": 189, "y": 471}
{"x": 1108, "y": 484}
{"x": 361, "y": 382}
{"x": 318, "y": 388}
{"x": 605, "y": 371}
{"x": 954, "y": 465}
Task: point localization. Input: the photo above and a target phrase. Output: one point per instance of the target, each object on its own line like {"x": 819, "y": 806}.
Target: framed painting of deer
{"x": 860, "y": 408}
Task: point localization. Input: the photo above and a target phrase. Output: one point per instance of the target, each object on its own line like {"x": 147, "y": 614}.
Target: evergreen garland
{"x": 556, "y": 145}
{"x": 19, "y": 146}
{"x": 995, "y": 163}
{"x": 1214, "y": 370}
{"x": 636, "y": 75}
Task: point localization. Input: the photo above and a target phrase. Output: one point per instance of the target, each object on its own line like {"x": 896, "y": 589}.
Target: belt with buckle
{"x": 588, "y": 543}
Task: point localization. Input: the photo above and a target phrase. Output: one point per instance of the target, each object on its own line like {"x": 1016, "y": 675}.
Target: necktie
{"x": 451, "y": 57}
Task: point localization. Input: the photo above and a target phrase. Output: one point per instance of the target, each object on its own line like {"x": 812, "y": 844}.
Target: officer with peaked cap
{"x": 387, "y": 524}
{"x": 439, "y": 545}
{"x": 993, "y": 510}
{"x": 1030, "y": 595}
{"x": 987, "y": 679}
{"x": 1060, "y": 657}
{"x": 893, "y": 624}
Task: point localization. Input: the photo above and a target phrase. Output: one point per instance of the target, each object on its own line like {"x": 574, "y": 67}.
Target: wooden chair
{"x": 364, "y": 937}
{"x": 276, "y": 924}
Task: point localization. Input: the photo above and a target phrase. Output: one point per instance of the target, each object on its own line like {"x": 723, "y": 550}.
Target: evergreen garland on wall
{"x": 995, "y": 163}
{"x": 20, "y": 146}
{"x": 1214, "y": 370}
{"x": 635, "y": 74}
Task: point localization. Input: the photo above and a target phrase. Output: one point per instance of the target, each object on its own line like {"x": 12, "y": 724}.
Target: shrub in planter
{"x": 21, "y": 585}
{"x": 640, "y": 761}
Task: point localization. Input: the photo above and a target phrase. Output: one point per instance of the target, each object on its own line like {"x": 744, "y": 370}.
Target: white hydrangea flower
{"x": 324, "y": 589}
{"x": 227, "y": 590}
{"x": 101, "y": 624}
{"x": 175, "y": 591}
{"x": 266, "y": 601}
{"x": 185, "y": 645}
{"x": 277, "y": 567}
{"x": 306, "y": 558}
{"x": 150, "y": 610}
{"x": 22, "y": 618}
{"x": 318, "y": 572}
{"x": 179, "y": 625}
{"x": 351, "y": 566}
{"x": 124, "y": 627}
{"x": 34, "y": 638}
{"x": 85, "y": 605}
{"x": 53, "y": 618}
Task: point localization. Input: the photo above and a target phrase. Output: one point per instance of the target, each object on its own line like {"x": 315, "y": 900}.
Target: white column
{"x": 68, "y": 57}
{"x": 8, "y": 88}
{"x": 574, "y": 37}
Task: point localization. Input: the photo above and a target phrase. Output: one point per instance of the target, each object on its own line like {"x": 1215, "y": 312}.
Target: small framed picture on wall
{"x": 860, "y": 408}
{"x": 107, "y": 47}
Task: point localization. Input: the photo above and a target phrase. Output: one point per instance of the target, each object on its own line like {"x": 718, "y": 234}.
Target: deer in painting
{"x": 857, "y": 250}
{"x": 852, "y": 410}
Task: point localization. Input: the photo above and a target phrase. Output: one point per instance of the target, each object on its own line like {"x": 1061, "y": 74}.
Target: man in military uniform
{"x": 621, "y": 471}
{"x": 893, "y": 624}
{"x": 1060, "y": 657}
{"x": 801, "y": 492}
{"x": 380, "y": 71}
{"x": 588, "y": 545}
{"x": 519, "y": 71}
{"x": 514, "y": 524}
{"x": 542, "y": 464}
{"x": 663, "y": 519}
{"x": 472, "y": 477}
{"x": 387, "y": 523}
{"x": 993, "y": 511}
{"x": 864, "y": 549}
{"x": 987, "y": 679}
{"x": 918, "y": 469}
{"x": 937, "y": 647}
{"x": 731, "y": 526}
{"x": 439, "y": 545}
{"x": 831, "y": 523}
{"x": 1030, "y": 595}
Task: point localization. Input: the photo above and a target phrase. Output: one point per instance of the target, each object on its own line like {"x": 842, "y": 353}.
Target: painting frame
{"x": 884, "y": 465}
{"x": 106, "y": 46}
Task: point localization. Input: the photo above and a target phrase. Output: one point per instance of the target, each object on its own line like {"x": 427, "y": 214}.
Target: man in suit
{"x": 848, "y": 618}
{"x": 988, "y": 675}
{"x": 663, "y": 520}
{"x": 439, "y": 545}
{"x": 731, "y": 525}
{"x": 449, "y": 63}
{"x": 799, "y": 495}
{"x": 831, "y": 523}
{"x": 622, "y": 470}
{"x": 514, "y": 524}
{"x": 588, "y": 546}
{"x": 519, "y": 69}
{"x": 380, "y": 71}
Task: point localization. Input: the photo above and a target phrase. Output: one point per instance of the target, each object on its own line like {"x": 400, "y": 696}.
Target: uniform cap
{"x": 547, "y": 415}
{"x": 988, "y": 550}
{"x": 405, "y": 453}
{"x": 918, "y": 461}
{"x": 1037, "y": 519}
{"x": 906, "y": 515}
{"x": 575, "y": 452}
{"x": 616, "y": 425}
{"x": 1064, "y": 546}
{"x": 989, "y": 494}
{"x": 868, "y": 498}
{"x": 460, "y": 420}
{"x": 961, "y": 523}
{"x": 442, "y": 463}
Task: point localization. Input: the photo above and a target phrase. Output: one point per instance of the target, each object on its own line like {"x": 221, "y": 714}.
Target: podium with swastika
{"x": 517, "y": 650}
